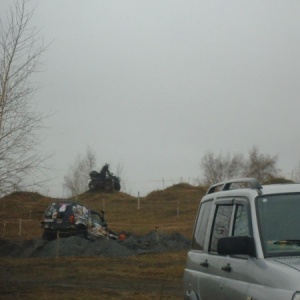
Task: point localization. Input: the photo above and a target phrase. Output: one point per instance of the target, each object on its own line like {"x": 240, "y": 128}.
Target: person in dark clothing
{"x": 103, "y": 222}
{"x": 103, "y": 171}
{"x": 110, "y": 234}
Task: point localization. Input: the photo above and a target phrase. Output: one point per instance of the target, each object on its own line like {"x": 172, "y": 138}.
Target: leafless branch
{"x": 20, "y": 52}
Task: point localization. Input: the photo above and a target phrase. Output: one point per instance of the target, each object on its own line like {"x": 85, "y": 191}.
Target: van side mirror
{"x": 233, "y": 245}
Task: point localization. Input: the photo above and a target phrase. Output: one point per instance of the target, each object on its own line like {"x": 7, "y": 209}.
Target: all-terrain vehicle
{"x": 104, "y": 180}
{"x": 67, "y": 218}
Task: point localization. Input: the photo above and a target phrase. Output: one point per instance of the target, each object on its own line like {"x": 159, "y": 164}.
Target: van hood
{"x": 293, "y": 262}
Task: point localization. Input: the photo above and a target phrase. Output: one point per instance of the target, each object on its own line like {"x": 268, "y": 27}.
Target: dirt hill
{"x": 166, "y": 211}
{"x": 74, "y": 268}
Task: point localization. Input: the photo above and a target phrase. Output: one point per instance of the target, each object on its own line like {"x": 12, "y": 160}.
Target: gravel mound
{"x": 76, "y": 246}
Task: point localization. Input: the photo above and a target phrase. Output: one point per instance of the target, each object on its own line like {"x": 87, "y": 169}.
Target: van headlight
{"x": 296, "y": 296}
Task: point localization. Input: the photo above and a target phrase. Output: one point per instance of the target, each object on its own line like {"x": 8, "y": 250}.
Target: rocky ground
{"x": 76, "y": 246}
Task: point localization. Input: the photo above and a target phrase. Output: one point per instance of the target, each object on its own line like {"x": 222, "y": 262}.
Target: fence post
{"x": 4, "y": 228}
{"x": 156, "y": 232}
{"x": 20, "y": 228}
{"x": 57, "y": 244}
{"x": 138, "y": 200}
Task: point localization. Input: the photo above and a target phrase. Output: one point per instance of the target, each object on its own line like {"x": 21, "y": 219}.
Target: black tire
{"x": 82, "y": 232}
{"x": 117, "y": 186}
{"x": 92, "y": 186}
{"x": 48, "y": 236}
{"x": 108, "y": 187}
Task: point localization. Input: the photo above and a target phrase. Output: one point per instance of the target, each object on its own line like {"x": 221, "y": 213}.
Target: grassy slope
{"x": 152, "y": 276}
{"x": 170, "y": 210}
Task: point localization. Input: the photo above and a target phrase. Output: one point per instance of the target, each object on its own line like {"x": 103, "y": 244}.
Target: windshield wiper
{"x": 287, "y": 242}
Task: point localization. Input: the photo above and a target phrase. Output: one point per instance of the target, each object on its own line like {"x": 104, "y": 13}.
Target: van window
{"x": 278, "y": 217}
{"x": 242, "y": 223}
{"x": 221, "y": 225}
{"x": 57, "y": 210}
{"x": 95, "y": 218}
{"x": 201, "y": 226}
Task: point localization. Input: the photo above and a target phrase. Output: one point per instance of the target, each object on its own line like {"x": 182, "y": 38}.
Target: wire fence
{"x": 137, "y": 216}
{"x": 29, "y": 229}
{"x": 20, "y": 229}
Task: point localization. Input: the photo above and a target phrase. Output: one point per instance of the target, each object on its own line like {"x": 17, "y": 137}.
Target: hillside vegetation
{"x": 170, "y": 210}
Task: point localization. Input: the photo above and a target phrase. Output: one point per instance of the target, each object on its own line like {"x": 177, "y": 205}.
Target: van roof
{"x": 281, "y": 188}
{"x": 253, "y": 184}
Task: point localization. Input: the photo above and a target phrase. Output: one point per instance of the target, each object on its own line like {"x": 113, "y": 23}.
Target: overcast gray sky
{"x": 153, "y": 85}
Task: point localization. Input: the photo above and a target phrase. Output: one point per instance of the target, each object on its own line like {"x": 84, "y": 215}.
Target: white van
{"x": 246, "y": 243}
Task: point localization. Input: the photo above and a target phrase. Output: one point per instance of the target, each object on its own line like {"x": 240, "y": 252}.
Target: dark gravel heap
{"x": 76, "y": 246}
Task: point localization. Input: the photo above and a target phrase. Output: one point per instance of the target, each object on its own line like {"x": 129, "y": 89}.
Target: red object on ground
{"x": 122, "y": 237}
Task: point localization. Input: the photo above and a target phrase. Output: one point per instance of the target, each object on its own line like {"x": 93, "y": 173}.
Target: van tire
{"x": 48, "y": 236}
{"x": 82, "y": 232}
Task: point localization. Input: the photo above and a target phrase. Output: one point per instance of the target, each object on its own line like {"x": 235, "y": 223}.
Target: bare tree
{"x": 120, "y": 172}
{"x": 20, "y": 52}
{"x": 76, "y": 180}
{"x": 295, "y": 175}
{"x": 261, "y": 166}
{"x": 221, "y": 167}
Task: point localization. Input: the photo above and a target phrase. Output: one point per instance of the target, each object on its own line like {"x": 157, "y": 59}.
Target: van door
{"x": 237, "y": 270}
{"x": 204, "y": 264}
{"x": 196, "y": 282}
{"x": 220, "y": 228}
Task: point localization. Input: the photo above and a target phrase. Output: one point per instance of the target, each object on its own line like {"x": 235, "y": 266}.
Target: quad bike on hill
{"x": 104, "y": 180}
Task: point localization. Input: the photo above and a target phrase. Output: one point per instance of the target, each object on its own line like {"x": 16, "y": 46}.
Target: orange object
{"x": 122, "y": 237}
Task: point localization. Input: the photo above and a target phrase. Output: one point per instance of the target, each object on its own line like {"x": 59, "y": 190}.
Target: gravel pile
{"x": 76, "y": 246}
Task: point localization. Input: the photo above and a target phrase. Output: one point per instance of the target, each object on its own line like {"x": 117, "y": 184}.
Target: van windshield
{"x": 279, "y": 222}
{"x": 56, "y": 210}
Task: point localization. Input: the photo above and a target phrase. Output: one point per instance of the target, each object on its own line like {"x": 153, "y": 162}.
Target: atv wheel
{"x": 117, "y": 186}
{"x": 108, "y": 186}
{"x": 92, "y": 186}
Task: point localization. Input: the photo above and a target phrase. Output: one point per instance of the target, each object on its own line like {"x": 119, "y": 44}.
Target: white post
{"x": 157, "y": 236}
{"x": 57, "y": 244}
{"x": 4, "y": 227}
{"x": 20, "y": 228}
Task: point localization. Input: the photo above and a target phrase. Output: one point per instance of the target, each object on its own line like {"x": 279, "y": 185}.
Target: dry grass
{"x": 151, "y": 276}
{"x": 169, "y": 210}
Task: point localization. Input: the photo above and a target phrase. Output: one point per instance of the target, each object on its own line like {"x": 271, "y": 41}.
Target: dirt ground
{"x": 92, "y": 278}
{"x": 153, "y": 242}
{"x": 141, "y": 267}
